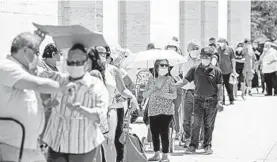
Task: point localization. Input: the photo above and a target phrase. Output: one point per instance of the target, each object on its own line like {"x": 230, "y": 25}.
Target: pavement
{"x": 244, "y": 132}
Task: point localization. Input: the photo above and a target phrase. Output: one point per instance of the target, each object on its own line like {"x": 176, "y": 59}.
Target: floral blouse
{"x": 159, "y": 105}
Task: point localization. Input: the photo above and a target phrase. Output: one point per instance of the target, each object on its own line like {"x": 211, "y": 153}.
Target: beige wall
{"x": 134, "y": 24}
{"x": 198, "y": 20}
{"x": 17, "y": 17}
{"x": 239, "y": 21}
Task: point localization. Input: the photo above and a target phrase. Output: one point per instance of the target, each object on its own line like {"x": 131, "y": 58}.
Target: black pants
{"x": 204, "y": 111}
{"x": 229, "y": 87}
{"x": 119, "y": 130}
{"x": 271, "y": 82}
{"x": 159, "y": 126}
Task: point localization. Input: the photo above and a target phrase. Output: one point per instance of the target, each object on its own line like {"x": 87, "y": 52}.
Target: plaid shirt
{"x": 70, "y": 131}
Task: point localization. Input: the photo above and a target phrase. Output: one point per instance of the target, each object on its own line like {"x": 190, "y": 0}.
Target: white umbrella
{"x": 146, "y": 59}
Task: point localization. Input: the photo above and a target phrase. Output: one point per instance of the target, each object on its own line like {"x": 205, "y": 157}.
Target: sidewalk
{"x": 244, "y": 132}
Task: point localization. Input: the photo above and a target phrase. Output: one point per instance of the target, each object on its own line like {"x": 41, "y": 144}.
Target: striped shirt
{"x": 69, "y": 131}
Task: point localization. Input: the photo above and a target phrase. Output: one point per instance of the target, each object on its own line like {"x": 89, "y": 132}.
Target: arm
{"x": 98, "y": 110}
{"x": 232, "y": 57}
{"x": 121, "y": 86}
{"x": 188, "y": 78}
{"x": 15, "y": 77}
{"x": 149, "y": 89}
{"x": 129, "y": 83}
{"x": 172, "y": 91}
{"x": 219, "y": 82}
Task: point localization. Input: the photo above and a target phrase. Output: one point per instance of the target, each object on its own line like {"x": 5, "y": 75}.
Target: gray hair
{"x": 25, "y": 39}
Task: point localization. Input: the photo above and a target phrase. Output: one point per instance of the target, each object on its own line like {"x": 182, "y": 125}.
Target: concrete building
{"x": 127, "y": 23}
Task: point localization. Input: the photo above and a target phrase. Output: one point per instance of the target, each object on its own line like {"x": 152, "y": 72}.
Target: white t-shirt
{"x": 21, "y": 105}
{"x": 268, "y": 57}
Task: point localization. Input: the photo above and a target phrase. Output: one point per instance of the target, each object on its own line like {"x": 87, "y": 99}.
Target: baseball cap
{"x": 207, "y": 51}
{"x": 222, "y": 40}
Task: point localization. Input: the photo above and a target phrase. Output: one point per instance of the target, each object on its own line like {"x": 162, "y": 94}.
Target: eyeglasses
{"x": 76, "y": 63}
{"x": 103, "y": 54}
{"x": 34, "y": 51}
{"x": 163, "y": 65}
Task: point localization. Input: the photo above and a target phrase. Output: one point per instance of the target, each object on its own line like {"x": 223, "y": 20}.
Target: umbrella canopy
{"x": 146, "y": 59}
{"x": 66, "y": 36}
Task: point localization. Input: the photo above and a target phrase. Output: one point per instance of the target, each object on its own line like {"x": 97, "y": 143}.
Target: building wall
{"x": 239, "y": 21}
{"x": 17, "y": 17}
{"x": 134, "y": 24}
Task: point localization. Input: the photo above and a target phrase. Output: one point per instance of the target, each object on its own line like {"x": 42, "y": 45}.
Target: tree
{"x": 264, "y": 20}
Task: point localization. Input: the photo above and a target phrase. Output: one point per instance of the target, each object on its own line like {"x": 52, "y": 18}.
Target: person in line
{"x": 258, "y": 52}
{"x": 115, "y": 85}
{"x": 150, "y": 46}
{"x": 239, "y": 69}
{"x": 161, "y": 93}
{"x": 178, "y": 100}
{"x": 269, "y": 68}
{"x": 74, "y": 130}
{"x": 227, "y": 64}
{"x": 193, "y": 49}
{"x": 18, "y": 87}
{"x": 249, "y": 65}
{"x": 207, "y": 98}
{"x": 50, "y": 62}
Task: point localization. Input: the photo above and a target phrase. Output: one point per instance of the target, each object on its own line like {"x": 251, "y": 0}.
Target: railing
{"x": 23, "y": 135}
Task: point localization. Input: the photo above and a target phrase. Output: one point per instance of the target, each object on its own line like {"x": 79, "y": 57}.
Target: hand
{"x": 73, "y": 107}
{"x": 219, "y": 107}
{"x": 134, "y": 104}
{"x": 177, "y": 84}
{"x": 40, "y": 34}
{"x": 50, "y": 103}
{"x": 235, "y": 73}
{"x": 253, "y": 71}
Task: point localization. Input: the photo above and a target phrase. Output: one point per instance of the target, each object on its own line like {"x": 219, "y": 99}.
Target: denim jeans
{"x": 204, "y": 109}
{"x": 188, "y": 109}
{"x": 177, "y": 104}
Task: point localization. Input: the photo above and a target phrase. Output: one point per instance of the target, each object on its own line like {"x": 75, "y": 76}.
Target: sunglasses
{"x": 164, "y": 65}
{"x": 205, "y": 57}
{"x": 76, "y": 63}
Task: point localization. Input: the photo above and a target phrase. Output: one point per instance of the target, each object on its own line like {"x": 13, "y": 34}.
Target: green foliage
{"x": 264, "y": 20}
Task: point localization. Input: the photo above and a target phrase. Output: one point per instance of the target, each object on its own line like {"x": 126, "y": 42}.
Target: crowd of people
{"x": 78, "y": 116}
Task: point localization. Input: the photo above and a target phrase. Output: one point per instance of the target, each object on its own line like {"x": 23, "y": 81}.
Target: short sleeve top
{"x": 159, "y": 105}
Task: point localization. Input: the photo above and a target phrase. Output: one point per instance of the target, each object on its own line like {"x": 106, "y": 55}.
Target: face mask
{"x": 194, "y": 54}
{"x": 221, "y": 44}
{"x": 163, "y": 72}
{"x": 32, "y": 65}
{"x": 205, "y": 62}
{"x": 76, "y": 71}
{"x": 58, "y": 63}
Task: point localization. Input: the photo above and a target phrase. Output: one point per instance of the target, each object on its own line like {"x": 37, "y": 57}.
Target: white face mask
{"x": 221, "y": 44}
{"x": 194, "y": 54}
{"x": 58, "y": 63}
{"x": 205, "y": 62}
{"x": 162, "y": 72}
{"x": 32, "y": 65}
{"x": 76, "y": 71}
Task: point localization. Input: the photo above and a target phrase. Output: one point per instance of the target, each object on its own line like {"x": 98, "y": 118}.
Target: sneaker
{"x": 186, "y": 143}
{"x": 208, "y": 150}
{"x": 232, "y": 103}
{"x": 190, "y": 150}
{"x": 165, "y": 158}
{"x": 156, "y": 157}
